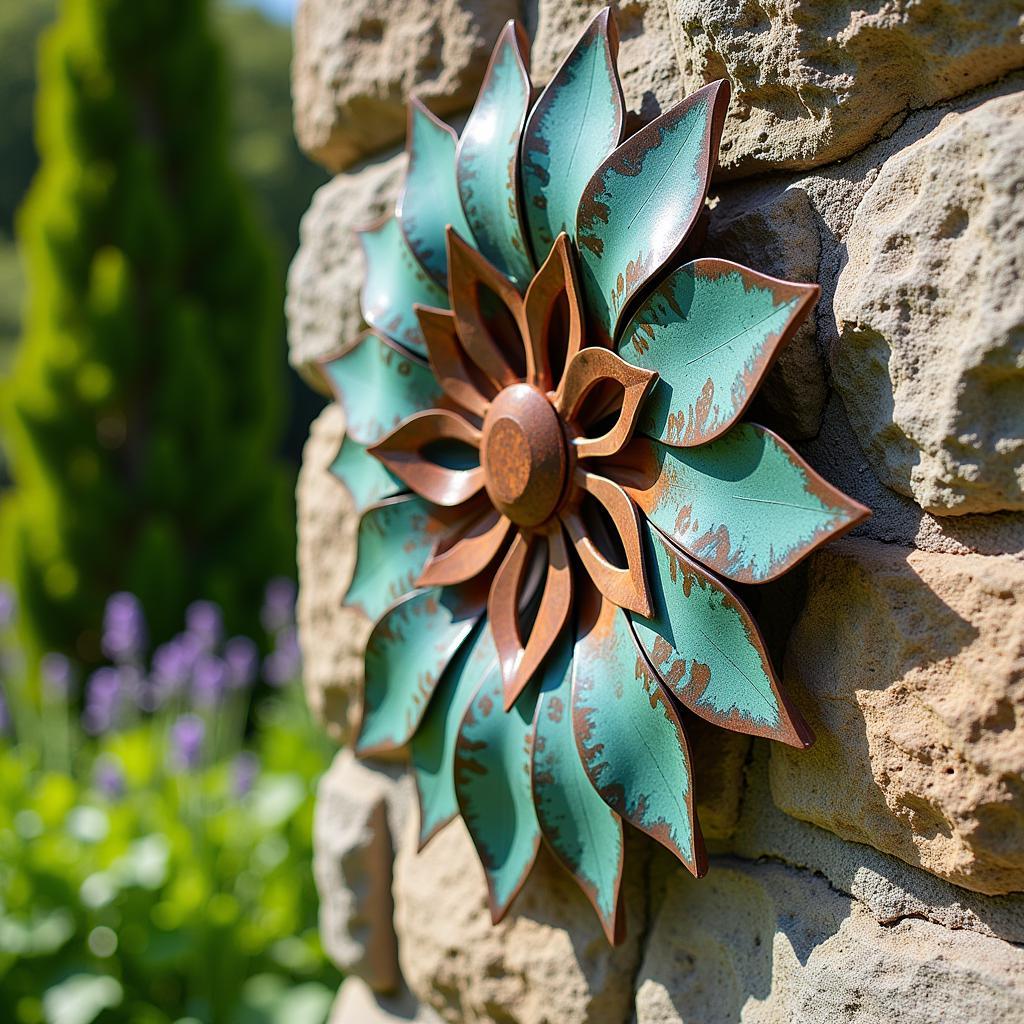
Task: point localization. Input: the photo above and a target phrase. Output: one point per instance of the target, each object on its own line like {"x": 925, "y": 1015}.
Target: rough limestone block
{"x": 547, "y": 961}
{"x": 326, "y": 275}
{"x": 814, "y": 82}
{"x": 357, "y": 1003}
{"x": 908, "y": 666}
{"x": 357, "y": 61}
{"x": 764, "y": 943}
{"x": 332, "y": 637}
{"x": 930, "y": 359}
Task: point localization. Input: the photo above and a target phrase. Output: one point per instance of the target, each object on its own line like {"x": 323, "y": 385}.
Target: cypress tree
{"x": 144, "y": 407}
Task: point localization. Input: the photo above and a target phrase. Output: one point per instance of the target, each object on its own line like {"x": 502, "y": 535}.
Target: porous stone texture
{"x": 357, "y": 1003}
{"x": 357, "y": 62}
{"x": 813, "y": 82}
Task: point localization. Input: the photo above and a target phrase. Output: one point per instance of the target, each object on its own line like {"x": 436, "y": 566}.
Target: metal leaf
{"x": 366, "y": 478}
{"x": 492, "y": 782}
{"x": 708, "y": 650}
{"x": 394, "y": 282}
{"x": 487, "y": 160}
{"x": 712, "y": 330}
{"x": 584, "y": 833}
{"x": 745, "y": 504}
{"x": 630, "y": 738}
{"x": 379, "y": 384}
{"x": 641, "y": 203}
{"x": 407, "y": 652}
{"x": 430, "y": 199}
{"x": 575, "y": 124}
{"x": 433, "y": 746}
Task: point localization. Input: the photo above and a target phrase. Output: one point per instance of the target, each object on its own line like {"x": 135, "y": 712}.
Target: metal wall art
{"x": 546, "y": 446}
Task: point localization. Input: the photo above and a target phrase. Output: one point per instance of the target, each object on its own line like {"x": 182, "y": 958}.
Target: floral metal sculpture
{"x": 545, "y": 442}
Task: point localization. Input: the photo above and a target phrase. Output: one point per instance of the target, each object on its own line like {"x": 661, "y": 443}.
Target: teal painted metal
{"x": 395, "y": 281}
{"x": 378, "y": 385}
{"x": 573, "y": 127}
{"x": 366, "y": 479}
{"x": 712, "y": 330}
{"x": 638, "y": 208}
{"x": 395, "y": 539}
{"x": 405, "y": 656}
{"x": 746, "y": 505}
{"x": 707, "y": 649}
{"x": 487, "y": 162}
{"x": 492, "y": 781}
{"x": 583, "y": 832}
{"x": 430, "y": 199}
{"x": 630, "y": 739}
{"x": 433, "y": 747}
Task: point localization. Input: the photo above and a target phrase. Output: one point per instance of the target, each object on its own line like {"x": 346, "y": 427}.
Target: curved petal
{"x": 432, "y": 748}
{"x": 641, "y": 203}
{"x": 487, "y": 159}
{"x": 408, "y": 650}
{"x": 708, "y": 650}
{"x": 449, "y": 362}
{"x": 712, "y": 329}
{"x": 378, "y": 384}
{"x": 449, "y": 482}
{"x": 583, "y": 832}
{"x": 393, "y": 544}
{"x": 630, "y": 739}
{"x": 492, "y": 782}
{"x": 470, "y": 554}
{"x": 745, "y": 504}
{"x": 589, "y": 368}
{"x": 365, "y": 478}
{"x": 519, "y": 660}
{"x": 554, "y": 289}
{"x": 623, "y": 586}
{"x": 575, "y": 124}
{"x": 430, "y": 199}
{"x": 395, "y": 281}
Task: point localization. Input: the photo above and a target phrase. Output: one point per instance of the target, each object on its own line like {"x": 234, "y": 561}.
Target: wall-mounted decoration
{"x": 546, "y": 443}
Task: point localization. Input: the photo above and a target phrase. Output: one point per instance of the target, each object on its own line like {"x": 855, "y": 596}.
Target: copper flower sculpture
{"x": 545, "y": 441}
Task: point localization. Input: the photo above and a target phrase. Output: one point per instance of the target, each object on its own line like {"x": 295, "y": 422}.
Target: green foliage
{"x": 143, "y": 412}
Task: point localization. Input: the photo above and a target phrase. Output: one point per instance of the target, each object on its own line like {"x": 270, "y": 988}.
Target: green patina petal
{"x": 576, "y": 123}
{"x": 433, "y": 746}
{"x": 366, "y": 478}
{"x": 487, "y": 165}
{"x": 711, "y": 330}
{"x": 430, "y": 200}
{"x": 630, "y": 738}
{"x": 581, "y": 829}
{"x": 707, "y": 649}
{"x": 394, "y": 282}
{"x": 492, "y": 780}
{"x": 379, "y": 385}
{"x": 407, "y": 652}
{"x": 639, "y": 206}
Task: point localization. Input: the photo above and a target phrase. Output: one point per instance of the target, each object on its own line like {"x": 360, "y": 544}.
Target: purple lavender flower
{"x": 244, "y": 770}
{"x": 8, "y": 605}
{"x": 242, "y": 660}
{"x": 204, "y": 621}
{"x": 284, "y": 663}
{"x": 109, "y": 778}
{"x": 124, "y": 628}
{"x": 278, "y": 604}
{"x": 6, "y": 723}
{"x": 186, "y": 742}
{"x": 209, "y": 681}
{"x": 172, "y": 667}
{"x": 57, "y": 675}
{"x": 104, "y": 700}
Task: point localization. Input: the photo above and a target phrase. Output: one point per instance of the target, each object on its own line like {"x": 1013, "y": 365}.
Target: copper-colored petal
{"x": 555, "y": 281}
{"x": 401, "y": 451}
{"x": 468, "y": 272}
{"x": 469, "y": 553}
{"x": 625, "y": 586}
{"x": 449, "y": 362}
{"x": 590, "y": 368}
{"x": 519, "y": 661}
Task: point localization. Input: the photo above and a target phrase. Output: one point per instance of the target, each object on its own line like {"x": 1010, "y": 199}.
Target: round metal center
{"x": 523, "y": 455}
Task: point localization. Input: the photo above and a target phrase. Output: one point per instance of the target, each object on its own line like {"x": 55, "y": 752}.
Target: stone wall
{"x": 878, "y": 149}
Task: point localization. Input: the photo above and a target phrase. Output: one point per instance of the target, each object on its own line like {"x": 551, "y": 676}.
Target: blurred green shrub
{"x": 143, "y": 411}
